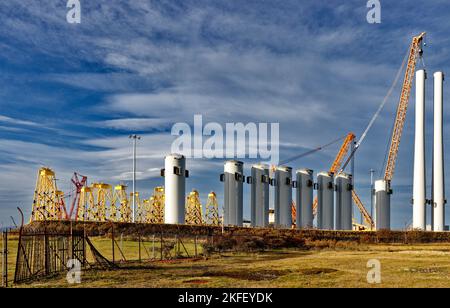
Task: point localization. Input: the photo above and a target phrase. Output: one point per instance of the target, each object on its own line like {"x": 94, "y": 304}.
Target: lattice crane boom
{"x": 402, "y": 107}
{"x": 79, "y": 184}
{"x": 338, "y": 161}
{"x": 342, "y": 153}
{"x": 367, "y": 218}
{"x": 335, "y": 168}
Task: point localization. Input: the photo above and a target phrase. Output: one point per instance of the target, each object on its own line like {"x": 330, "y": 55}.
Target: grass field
{"x": 425, "y": 265}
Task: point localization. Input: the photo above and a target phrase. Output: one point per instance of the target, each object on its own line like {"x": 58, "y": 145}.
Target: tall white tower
{"x": 325, "y": 201}
{"x": 419, "y": 183}
{"x": 438, "y": 156}
{"x": 383, "y": 205}
{"x": 283, "y": 197}
{"x": 175, "y": 174}
{"x": 233, "y": 206}
{"x": 304, "y": 198}
{"x": 260, "y": 182}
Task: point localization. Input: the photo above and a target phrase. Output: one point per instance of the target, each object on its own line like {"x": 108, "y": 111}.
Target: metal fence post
{"x": 176, "y": 246}
{"x": 5, "y": 260}
{"x": 139, "y": 239}
{"x": 112, "y": 243}
{"x": 84, "y": 243}
{"x": 46, "y": 252}
{"x": 71, "y": 246}
{"x": 161, "y": 246}
{"x": 121, "y": 242}
{"x": 195, "y": 245}
{"x": 153, "y": 248}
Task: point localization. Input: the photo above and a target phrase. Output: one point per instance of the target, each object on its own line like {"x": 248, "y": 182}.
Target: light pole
{"x": 352, "y": 171}
{"x": 371, "y": 192}
{"x": 135, "y": 139}
{"x": 223, "y": 219}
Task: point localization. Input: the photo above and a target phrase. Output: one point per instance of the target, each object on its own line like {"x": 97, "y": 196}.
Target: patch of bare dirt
{"x": 317, "y": 271}
{"x": 196, "y": 281}
{"x": 249, "y": 275}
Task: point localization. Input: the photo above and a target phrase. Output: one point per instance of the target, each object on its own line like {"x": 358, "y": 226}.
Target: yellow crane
{"x": 370, "y": 223}
{"x": 337, "y": 162}
{"x": 309, "y": 152}
{"x": 415, "y": 51}
{"x": 336, "y": 165}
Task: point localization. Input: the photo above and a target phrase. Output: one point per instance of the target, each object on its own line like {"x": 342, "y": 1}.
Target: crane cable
{"x": 377, "y": 113}
{"x": 311, "y": 151}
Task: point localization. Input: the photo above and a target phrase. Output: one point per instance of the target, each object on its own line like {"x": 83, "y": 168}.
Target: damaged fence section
{"x": 42, "y": 254}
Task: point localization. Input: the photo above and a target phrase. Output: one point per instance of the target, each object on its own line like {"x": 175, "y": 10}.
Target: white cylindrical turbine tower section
{"x": 283, "y": 197}
{"x": 259, "y": 182}
{"x": 383, "y": 205}
{"x": 438, "y": 156}
{"x": 175, "y": 188}
{"x": 304, "y": 198}
{"x": 325, "y": 198}
{"x": 344, "y": 202}
{"x": 233, "y": 196}
{"x": 419, "y": 182}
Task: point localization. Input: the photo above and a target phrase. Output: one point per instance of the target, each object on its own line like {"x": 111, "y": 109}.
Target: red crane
{"x": 76, "y": 199}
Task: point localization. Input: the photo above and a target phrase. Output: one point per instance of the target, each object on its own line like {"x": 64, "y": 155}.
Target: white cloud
{"x": 15, "y": 121}
{"x": 135, "y": 124}
{"x": 312, "y": 67}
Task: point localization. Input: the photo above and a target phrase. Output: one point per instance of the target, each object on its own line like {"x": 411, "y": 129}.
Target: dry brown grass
{"x": 425, "y": 265}
{"x": 313, "y": 259}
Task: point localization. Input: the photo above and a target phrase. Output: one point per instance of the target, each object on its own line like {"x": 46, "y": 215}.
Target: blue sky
{"x": 71, "y": 94}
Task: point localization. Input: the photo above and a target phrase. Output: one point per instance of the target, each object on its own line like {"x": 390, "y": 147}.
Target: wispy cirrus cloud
{"x": 137, "y": 124}
{"x": 316, "y": 68}
{"x": 14, "y": 121}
